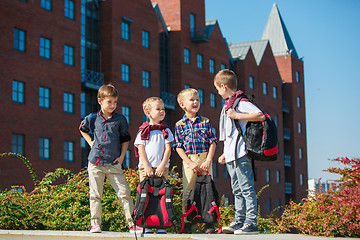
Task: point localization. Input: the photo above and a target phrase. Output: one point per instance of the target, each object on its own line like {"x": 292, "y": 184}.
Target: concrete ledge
{"x": 73, "y": 235}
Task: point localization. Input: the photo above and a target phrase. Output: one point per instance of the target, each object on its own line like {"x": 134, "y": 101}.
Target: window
{"x": 200, "y": 61}
{"x": 201, "y": 95}
{"x": 251, "y": 82}
{"x": 297, "y": 77}
{"x": 145, "y": 39}
{"x": 19, "y": 40}
{"x": 44, "y": 97}
{"x": 265, "y": 92}
{"x": 83, "y": 104}
{"x": 69, "y": 55}
{"x": 269, "y": 205}
{"x": 301, "y": 180}
{"x": 300, "y": 153}
{"x": 267, "y": 175}
{"x": 212, "y": 65}
{"x": 277, "y": 176}
{"x": 68, "y": 102}
{"x": 125, "y": 72}
{"x": 46, "y": 4}
{"x": 68, "y": 151}
{"x": 18, "y": 92}
{"x": 299, "y": 127}
{"x": 17, "y": 144}
{"x": 298, "y": 102}
{"x": 187, "y": 86}
{"x": 146, "y": 79}
{"x": 214, "y": 169}
{"x": 69, "y": 9}
{"x": 213, "y": 130}
{"x": 212, "y": 100}
{"x": 275, "y": 92}
{"x": 45, "y": 48}
{"x": 222, "y": 66}
{"x": 126, "y": 162}
{"x": 145, "y": 118}
{"x": 44, "y": 148}
{"x": 192, "y": 24}
{"x": 125, "y": 30}
{"x": 276, "y": 120}
{"x": 186, "y": 56}
{"x": 126, "y": 112}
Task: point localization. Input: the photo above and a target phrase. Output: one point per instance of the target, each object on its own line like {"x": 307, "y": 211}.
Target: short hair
{"x": 181, "y": 95}
{"x": 147, "y": 103}
{"x": 107, "y": 90}
{"x": 226, "y": 77}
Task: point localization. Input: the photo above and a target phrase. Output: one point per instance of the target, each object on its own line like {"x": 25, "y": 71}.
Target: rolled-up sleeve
{"x": 84, "y": 125}
{"x": 178, "y": 143}
{"x": 211, "y": 135}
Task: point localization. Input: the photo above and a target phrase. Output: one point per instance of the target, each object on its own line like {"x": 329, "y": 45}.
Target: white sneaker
{"x": 95, "y": 229}
{"x": 232, "y": 227}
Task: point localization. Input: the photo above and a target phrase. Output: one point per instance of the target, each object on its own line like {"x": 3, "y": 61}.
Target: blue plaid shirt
{"x": 194, "y": 136}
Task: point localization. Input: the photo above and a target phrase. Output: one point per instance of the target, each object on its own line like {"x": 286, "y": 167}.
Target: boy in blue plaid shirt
{"x": 195, "y": 143}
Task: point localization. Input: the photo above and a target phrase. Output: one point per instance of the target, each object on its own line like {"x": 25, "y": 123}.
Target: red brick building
{"x": 56, "y": 54}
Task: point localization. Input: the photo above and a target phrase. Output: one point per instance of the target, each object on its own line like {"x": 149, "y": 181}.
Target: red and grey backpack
{"x": 203, "y": 203}
{"x": 261, "y": 139}
{"x": 153, "y": 205}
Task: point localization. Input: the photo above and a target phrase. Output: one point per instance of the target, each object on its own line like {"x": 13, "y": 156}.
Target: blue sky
{"x": 326, "y": 33}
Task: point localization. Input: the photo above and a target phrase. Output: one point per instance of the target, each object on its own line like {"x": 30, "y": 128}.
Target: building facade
{"x": 56, "y": 54}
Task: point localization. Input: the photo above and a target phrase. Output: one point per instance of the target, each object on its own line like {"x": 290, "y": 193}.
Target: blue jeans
{"x": 242, "y": 184}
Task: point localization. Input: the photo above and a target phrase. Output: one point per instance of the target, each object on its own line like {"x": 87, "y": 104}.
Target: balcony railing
{"x": 199, "y": 35}
{"x": 169, "y": 100}
{"x": 92, "y": 79}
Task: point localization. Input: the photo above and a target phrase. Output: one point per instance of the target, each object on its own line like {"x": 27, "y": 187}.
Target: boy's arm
{"x": 124, "y": 147}
{"x": 195, "y": 168}
{"x": 253, "y": 117}
{"x": 160, "y": 169}
{"x": 143, "y": 159}
{"x": 87, "y": 138}
{"x": 207, "y": 164}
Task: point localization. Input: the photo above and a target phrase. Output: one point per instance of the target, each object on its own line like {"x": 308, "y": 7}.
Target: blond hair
{"x": 107, "y": 90}
{"x": 226, "y": 77}
{"x": 183, "y": 93}
{"x": 147, "y": 103}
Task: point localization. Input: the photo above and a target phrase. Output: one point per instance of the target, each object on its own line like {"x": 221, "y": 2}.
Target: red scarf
{"x": 145, "y": 129}
{"x": 230, "y": 101}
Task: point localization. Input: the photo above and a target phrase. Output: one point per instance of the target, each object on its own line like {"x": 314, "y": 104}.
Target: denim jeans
{"x": 242, "y": 184}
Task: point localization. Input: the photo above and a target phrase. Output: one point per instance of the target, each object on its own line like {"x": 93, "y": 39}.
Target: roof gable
{"x": 276, "y": 32}
{"x": 240, "y": 50}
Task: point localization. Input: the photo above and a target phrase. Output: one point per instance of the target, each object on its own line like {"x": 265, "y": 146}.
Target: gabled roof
{"x": 276, "y": 32}
{"x": 241, "y": 49}
{"x": 210, "y": 24}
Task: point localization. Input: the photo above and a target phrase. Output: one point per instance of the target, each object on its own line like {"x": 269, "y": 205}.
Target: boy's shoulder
{"x": 202, "y": 120}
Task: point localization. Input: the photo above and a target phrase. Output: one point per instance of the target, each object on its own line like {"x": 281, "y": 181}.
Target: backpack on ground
{"x": 203, "y": 203}
{"x": 261, "y": 141}
{"x": 153, "y": 205}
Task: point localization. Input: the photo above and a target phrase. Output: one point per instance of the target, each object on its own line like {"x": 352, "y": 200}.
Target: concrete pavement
{"x": 79, "y": 235}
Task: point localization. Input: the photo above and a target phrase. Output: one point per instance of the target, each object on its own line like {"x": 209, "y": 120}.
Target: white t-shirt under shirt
{"x": 154, "y": 147}
{"x": 229, "y": 133}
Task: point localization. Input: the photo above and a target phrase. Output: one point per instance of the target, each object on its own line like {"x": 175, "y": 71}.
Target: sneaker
{"x": 187, "y": 228}
{"x": 148, "y": 231}
{"x": 209, "y": 228}
{"x": 95, "y": 229}
{"x": 247, "y": 229}
{"x": 232, "y": 227}
{"x": 161, "y": 231}
{"x": 136, "y": 229}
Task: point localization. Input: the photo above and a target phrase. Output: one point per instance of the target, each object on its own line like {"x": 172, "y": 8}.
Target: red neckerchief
{"x": 230, "y": 101}
{"x": 145, "y": 129}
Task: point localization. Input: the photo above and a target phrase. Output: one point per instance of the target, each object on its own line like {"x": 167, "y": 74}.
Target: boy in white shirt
{"x": 239, "y": 167}
{"x": 153, "y": 144}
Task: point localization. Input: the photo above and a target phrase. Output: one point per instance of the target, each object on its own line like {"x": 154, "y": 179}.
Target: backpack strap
{"x": 144, "y": 197}
{"x": 193, "y": 207}
{"x": 92, "y": 119}
{"x": 238, "y": 127}
{"x": 211, "y": 196}
{"x": 169, "y": 206}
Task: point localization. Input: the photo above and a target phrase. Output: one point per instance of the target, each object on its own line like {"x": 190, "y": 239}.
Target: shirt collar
{"x": 185, "y": 118}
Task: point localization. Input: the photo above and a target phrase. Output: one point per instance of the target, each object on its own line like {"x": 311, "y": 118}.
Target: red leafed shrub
{"x": 332, "y": 213}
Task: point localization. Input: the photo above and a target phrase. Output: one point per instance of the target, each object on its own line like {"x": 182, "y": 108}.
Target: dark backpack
{"x": 203, "y": 203}
{"x": 261, "y": 139}
{"x": 153, "y": 205}
{"x": 92, "y": 118}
